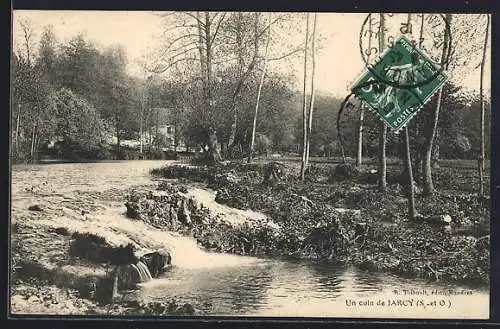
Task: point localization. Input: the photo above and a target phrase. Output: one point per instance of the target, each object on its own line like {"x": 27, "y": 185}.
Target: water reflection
{"x": 329, "y": 277}
{"x": 224, "y": 290}
{"x": 279, "y": 288}
{"x": 367, "y": 281}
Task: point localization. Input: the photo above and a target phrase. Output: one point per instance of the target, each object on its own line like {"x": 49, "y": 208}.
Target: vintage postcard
{"x": 250, "y": 164}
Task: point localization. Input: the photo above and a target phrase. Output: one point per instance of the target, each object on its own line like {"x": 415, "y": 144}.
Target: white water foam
{"x": 112, "y": 225}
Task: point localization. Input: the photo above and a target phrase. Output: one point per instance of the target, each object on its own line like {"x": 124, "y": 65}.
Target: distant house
{"x": 167, "y": 130}
{"x": 166, "y": 134}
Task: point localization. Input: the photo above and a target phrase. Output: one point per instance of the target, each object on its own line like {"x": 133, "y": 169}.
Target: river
{"x": 90, "y": 196}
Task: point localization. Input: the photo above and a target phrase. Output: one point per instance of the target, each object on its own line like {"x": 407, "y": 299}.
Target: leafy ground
{"x": 312, "y": 219}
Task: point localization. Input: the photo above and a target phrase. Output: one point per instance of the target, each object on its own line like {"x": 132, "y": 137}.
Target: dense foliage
{"x": 222, "y": 99}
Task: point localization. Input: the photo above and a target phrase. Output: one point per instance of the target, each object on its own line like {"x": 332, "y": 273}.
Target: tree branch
{"x": 286, "y": 55}
{"x": 181, "y": 53}
{"x": 217, "y": 28}
{"x": 268, "y": 26}
{"x": 194, "y": 17}
{"x": 189, "y": 35}
{"x": 178, "y": 27}
{"x": 158, "y": 70}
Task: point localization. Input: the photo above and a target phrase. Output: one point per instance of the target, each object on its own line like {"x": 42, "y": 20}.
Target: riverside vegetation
{"x": 337, "y": 215}
{"x": 330, "y": 217}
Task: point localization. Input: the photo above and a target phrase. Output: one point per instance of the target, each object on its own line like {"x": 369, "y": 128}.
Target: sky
{"x": 338, "y": 66}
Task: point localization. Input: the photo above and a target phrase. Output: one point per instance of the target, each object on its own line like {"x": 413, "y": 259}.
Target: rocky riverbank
{"x": 330, "y": 217}
{"x": 73, "y": 251}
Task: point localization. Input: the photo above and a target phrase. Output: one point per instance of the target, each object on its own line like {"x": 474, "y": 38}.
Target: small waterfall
{"x": 143, "y": 271}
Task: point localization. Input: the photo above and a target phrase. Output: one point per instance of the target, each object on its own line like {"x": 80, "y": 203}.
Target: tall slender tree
{"x": 359, "y": 157}
{"x": 407, "y": 162}
{"x": 481, "y": 100}
{"x": 382, "y": 165}
{"x": 264, "y": 69}
{"x": 304, "y": 106}
{"x": 311, "y": 100}
{"x": 431, "y": 127}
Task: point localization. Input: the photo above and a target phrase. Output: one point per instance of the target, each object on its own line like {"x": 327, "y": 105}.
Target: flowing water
{"x": 90, "y": 197}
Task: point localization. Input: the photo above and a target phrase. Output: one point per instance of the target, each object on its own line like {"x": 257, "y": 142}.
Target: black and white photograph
{"x": 250, "y": 164}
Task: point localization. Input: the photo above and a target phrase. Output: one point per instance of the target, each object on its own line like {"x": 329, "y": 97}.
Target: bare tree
{"x": 193, "y": 37}
{"x": 359, "y": 158}
{"x": 482, "y": 156}
{"x": 304, "y": 106}
{"x": 252, "y": 143}
{"x": 382, "y": 166}
{"x": 216, "y": 42}
{"x": 408, "y": 168}
{"x": 311, "y": 100}
{"x": 245, "y": 67}
{"x": 431, "y": 128}
{"x": 28, "y": 35}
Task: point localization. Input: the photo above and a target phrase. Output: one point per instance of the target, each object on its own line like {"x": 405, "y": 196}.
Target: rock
{"x": 184, "y": 215}
{"x": 120, "y": 255}
{"x": 133, "y": 210}
{"x": 60, "y": 230}
{"x": 193, "y": 204}
{"x": 156, "y": 262}
{"x": 127, "y": 277}
{"x": 446, "y": 219}
{"x": 273, "y": 173}
{"x": 35, "y": 208}
{"x": 173, "y": 218}
{"x": 439, "y": 220}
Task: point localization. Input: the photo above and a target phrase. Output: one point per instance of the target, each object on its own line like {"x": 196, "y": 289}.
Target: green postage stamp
{"x": 399, "y": 84}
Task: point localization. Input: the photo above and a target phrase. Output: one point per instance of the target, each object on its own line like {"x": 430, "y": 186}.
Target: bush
{"x": 342, "y": 172}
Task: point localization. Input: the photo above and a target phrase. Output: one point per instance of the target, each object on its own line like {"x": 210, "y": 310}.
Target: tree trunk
{"x": 359, "y": 158}
{"x": 117, "y": 130}
{"x": 37, "y": 143}
{"x": 435, "y": 151}
{"x": 176, "y": 138}
{"x": 208, "y": 57}
{"x": 409, "y": 174}
{"x": 16, "y": 138}
{"x": 202, "y": 53}
{"x": 239, "y": 42}
{"x": 157, "y": 129}
{"x": 141, "y": 119}
{"x": 304, "y": 106}
{"x": 252, "y": 143}
{"x": 213, "y": 146}
{"x": 382, "y": 166}
{"x": 432, "y": 126}
{"x": 482, "y": 155}
{"x": 33, "y": 141}
{"x": 311, "y": 101}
